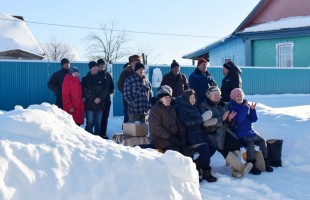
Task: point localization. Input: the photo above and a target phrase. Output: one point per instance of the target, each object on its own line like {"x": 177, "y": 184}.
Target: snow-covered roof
{"x": 289, "y": 22}
{"x": 15, "y": 34}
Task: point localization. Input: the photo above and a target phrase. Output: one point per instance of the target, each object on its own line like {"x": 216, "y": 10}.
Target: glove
{"x": 175, "y": 141}
{"x": 210, "y": 122}
{"x": 206, "y": 115}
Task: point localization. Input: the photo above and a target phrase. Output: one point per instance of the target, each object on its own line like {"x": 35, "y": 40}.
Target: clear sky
{"x": 213, "y": 19}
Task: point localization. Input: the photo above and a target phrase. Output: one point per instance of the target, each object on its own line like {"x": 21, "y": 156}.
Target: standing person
{"x": 137, "y": 93}
{"x": 128, "y": 71}
{"x": 176, "y": 80}
{"x": 192, "y": 121}
{"x": 200, "y": 80}
{"x": 231, "y": 80}
{"x": 108, "y": 82}
{"x": 220, "y": 133}
{"x": 72, "y": 96}
{"x": 95, "y": 93}
{"x": 55, "y": 82}
{"x": 166, "y": 131}
{"x": 245, "y": 116}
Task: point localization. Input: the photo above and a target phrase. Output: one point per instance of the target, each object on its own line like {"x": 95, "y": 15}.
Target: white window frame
{"x": 287, "y": 56}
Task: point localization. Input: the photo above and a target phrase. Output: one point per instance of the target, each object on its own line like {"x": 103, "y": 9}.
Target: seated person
{"x": 219, "y": 132}
{"x": 245, "y": 116}
{"x": 166, "y": 131}
{"x": 192, "y": 122}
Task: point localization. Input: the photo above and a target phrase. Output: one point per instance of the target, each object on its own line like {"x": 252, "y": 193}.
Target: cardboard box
{"x": 136, "y": 130}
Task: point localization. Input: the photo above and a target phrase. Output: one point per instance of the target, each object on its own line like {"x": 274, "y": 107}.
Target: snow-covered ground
{"x": 44, "y": 155}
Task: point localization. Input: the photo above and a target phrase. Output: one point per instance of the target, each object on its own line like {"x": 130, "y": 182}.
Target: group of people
{"x": 197, "y": 116}
{"x": 95, "y": 89}
{"x": 188, "y": 116}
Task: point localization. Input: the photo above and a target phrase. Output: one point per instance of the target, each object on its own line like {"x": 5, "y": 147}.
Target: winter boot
{"x": 274, "y": 147}
{"x": 254, "y": 169}
{"x": 260, "y": 161}
{"x": 238, "y": 169}
{"x": 268, "y": 168}
{"x": 206, "y": 175}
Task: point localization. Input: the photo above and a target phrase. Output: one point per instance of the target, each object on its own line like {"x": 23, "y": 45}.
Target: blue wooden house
{"x": 275, "y": 34}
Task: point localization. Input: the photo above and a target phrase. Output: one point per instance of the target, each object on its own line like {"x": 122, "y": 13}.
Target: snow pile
{"x": 289, "y": 22}
{"x": 15, "y": 34}
{"x": 44, "y": 155}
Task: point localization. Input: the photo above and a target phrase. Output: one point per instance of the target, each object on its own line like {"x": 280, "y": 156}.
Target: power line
{"x": 93, "y": 28}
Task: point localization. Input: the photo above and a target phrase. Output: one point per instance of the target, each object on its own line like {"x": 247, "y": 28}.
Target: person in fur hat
{"x": 245, "y": 116}
{"x": 231, "y": 80}
{"x": 219, "y": 132}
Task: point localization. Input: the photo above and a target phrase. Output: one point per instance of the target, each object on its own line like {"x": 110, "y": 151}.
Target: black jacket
{"x": 108, "y": 81}
{"x": 55, "y": 84}
{"x": 231, "y": 81}
{"x": 94, "y": 86}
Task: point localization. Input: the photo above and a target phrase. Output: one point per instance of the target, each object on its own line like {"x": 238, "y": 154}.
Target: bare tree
{"x": 56, "y": 50}
{"x": 109, "y": 44}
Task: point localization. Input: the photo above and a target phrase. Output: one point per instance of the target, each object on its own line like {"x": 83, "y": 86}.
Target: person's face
{"x": 238, "y": 98}
{"x": 166, "y": 100}
{"x": 94, "y": 70}
{"x": 66, "y": 65}
{"x": 225, "y": 71}
{"x": 215, "y": 96}
{"x": 203, "y": 67}
{"x": 140, "y": 72}
{"x": 101, "y": 67}
{"x": 176, "y": 70}
{"x": 75, "y": 74}
{"x": 192, "y": 99}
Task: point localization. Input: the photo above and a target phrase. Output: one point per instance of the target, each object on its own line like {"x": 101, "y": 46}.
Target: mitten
{"x": 206, "y": 115}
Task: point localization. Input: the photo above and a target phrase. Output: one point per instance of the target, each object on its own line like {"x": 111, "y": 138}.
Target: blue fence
{"x": 25, "y": 82}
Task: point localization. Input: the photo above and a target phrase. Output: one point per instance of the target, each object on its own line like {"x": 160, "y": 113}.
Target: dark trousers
{"x": 231, "y": 144}
{"x": 204, "y": 156}
{"x": 59, "y": 102}
{"x": 126, "y": 116}
{"x": 105, "y": 116}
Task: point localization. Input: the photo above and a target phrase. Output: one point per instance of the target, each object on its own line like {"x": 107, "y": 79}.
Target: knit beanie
{"x": 200, "y": 61}
{"x": 163, "y": 91}
{"x": 92, "y": 64}
{"x": 229, "y": 65}
{"x": 235, "y": 92}
{"x": 139, "y": 66}
{"x": 100, "y": 61}
{"x": 64, "y": 61}
{"x": 73, "y": 69}
{"x": 174, "y": 64}
{"x": 211, "y": 90}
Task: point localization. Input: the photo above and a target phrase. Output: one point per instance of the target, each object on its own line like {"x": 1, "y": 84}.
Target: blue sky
{"x": 214, "y": 19}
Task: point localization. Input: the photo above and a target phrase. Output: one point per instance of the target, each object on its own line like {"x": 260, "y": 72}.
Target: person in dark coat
{"x": 166, "y": 131}
{"x": 72, "y": 96}
{"x": 200, "y": 80}
{"x": 129, "y": 70}
{"x": 55, "y": 82}
{"x": 176, "y": 80}
{"x": 95, "y": 93}
{"x": 231, "y": 80}
{"x": 220, "y": 133}
{"x": 108, "y": 82}
{"x": 245, "y": 116}
{"x": 138, "y": 93}
{"x": 192, "y": 121}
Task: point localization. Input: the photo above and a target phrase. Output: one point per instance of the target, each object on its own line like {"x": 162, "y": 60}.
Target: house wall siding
{"x": 264, "y": 51}
{"x": 234, "y": 49}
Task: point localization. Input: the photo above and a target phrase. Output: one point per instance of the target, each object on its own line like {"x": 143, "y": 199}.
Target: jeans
{"x": 93, "y": 118}
{"x": 105, "y": 116}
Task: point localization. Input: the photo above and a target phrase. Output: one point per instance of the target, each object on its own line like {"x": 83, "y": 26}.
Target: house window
{"x": 285, "y": 54}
